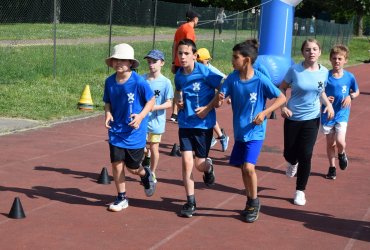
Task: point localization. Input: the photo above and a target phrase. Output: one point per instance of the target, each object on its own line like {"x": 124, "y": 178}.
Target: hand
{"x": 135, "y": 121}
{"x": 329, "y": 109}
{"x": 202, "y": 112}
{"x": 180, "y": 104}
{"x": 346, "y": 103}
{"x": 286, "y": 113}
{"x": 331, "y": 99}
{"x": 260, "y": 117}
{"x": 108, "y": 120}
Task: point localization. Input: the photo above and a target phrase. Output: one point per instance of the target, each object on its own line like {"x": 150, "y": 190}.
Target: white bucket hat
{"x": 123, "y": 51}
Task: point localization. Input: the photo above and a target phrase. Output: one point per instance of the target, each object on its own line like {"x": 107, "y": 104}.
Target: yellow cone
{"x": 86, "y": 102}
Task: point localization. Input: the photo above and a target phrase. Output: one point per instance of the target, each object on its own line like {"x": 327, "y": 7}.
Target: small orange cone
{"x": 86, "y": 102}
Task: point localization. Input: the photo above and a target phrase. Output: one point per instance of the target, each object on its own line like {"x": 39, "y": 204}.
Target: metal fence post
{"x": 154, "y": 22}
{"x": 55, "y": 41}
{"x": 110, "y": 30}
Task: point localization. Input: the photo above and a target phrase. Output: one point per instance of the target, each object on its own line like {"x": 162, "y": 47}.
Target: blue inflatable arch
{"x": 275, "y": 37}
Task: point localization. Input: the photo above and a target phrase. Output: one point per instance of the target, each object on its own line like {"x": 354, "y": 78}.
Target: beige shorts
{"x": 155, "y": 138}
{"x": 340, "y": 127}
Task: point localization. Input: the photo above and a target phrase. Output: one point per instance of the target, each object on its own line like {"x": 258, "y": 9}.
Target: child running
{"x": 163, "y": 93}
{"x": 249, "y": 90}
{"x": 341, "y": 89}
{"x": 195, "y": 90}
{"x": 128, "y": 99}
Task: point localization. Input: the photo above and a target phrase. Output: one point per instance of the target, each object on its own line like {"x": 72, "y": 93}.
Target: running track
{"x": 54, "y": 170}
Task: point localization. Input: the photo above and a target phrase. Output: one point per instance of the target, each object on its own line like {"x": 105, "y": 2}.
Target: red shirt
{"x": 184, "y": 31}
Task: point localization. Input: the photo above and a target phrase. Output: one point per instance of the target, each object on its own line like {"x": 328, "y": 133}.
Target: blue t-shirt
{"x": 340, "y": 89}
{"x": 248, "y": 98}
{"x": 306, "y": 88}
{"x": 163, "y": 91}
{"x": 198, "y": 89}
{"x": 126, "y": 99}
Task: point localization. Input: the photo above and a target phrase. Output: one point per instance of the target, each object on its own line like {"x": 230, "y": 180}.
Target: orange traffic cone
{"x": 86, "y": 102}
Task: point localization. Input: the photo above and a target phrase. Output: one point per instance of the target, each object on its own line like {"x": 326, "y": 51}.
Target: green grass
{"x": 27, "y": 87}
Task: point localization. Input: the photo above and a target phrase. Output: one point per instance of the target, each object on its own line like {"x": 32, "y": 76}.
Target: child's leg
{"x": 341, "y": 141}
{"x": 154, "y": 159}
{"x": 330, "y": 148}
{"x": 119, "y": 176}
{"x": 250, "y": 180}
{"x": 217, "y": 130}
{"x": 187, "y": 168}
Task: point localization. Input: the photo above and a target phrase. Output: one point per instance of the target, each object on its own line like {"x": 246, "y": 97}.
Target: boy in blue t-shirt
{"x": 128, "y": 99}
{"x": 341, "y": 89}
{"x": 163, "y": 93}
{"x": 195, "y": 90}
{"x": 249, "y": 89}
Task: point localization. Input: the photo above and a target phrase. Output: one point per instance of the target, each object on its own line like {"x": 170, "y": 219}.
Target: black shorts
{"x": 197, "y": 140}
{"x": 131, "y": 157}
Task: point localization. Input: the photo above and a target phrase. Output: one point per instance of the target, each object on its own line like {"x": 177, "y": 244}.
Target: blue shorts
{"x": 197, "y": 140}
{"x": 245, "y": 152}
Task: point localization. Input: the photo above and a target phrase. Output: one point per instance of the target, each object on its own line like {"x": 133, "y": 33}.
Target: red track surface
{"x": 54, "y": 171}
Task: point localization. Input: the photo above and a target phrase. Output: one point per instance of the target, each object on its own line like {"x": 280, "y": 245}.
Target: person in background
{"x": 185, "y": 31}
{"x": 163, "y": 93}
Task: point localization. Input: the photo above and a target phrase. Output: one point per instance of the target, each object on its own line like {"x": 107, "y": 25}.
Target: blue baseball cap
{"x": 155, "y": 54}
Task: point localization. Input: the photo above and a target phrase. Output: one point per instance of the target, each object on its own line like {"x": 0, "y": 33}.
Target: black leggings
{"x": 299, "y": 140}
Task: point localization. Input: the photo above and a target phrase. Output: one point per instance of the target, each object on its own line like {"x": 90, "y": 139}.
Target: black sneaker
{"x": 250, "y": 213}
{"x": 188, "y": 209}
{"x": 146, "y": 162}
{"x": 209, "y": 177}
{"x": 174, "y": 117}
{"x": 332, "y": 173}
{"x": 343, "y": 161}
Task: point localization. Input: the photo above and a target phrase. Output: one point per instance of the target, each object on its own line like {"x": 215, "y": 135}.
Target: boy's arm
{"x": 202, "y": 112}
{"x": 328, "y": 107}
{"x": 348, "y": 100}
{"x": 285, "y": 112}
{"x": 167, "y": 104}
{"x": 137, "y": 118}
{"x": 279, "y": 101}
{"x": 108, "y": 115}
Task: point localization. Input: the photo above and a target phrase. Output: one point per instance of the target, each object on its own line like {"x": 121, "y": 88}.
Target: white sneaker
{"x": 118, "y": 205}
{"x": 213, "y": 142}
{"x": 299, "y": 198}
{"x": 291, "y": 169}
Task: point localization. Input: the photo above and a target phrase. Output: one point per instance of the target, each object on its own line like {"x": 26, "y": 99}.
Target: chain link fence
{"x": 72, "y": 37}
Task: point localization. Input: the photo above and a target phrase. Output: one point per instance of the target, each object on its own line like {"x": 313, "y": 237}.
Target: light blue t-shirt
{"x": 126, "y": 99}
{"x": 339, "y": 88}
{"x": 216, "y": 70}
{"x": 306, "y": 88}
{"x": 248, "y": 98}
{"x": 163, "y": 91}
{"x": 198, "y": 89}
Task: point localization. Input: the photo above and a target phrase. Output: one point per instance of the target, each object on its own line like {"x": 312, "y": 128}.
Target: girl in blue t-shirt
{"x": 307, "y": 82}
{"x": 249, "y": 89}
{"x": 341, "y": 89}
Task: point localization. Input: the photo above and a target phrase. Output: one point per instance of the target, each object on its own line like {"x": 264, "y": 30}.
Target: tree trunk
{"x": 360, "y": 25}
